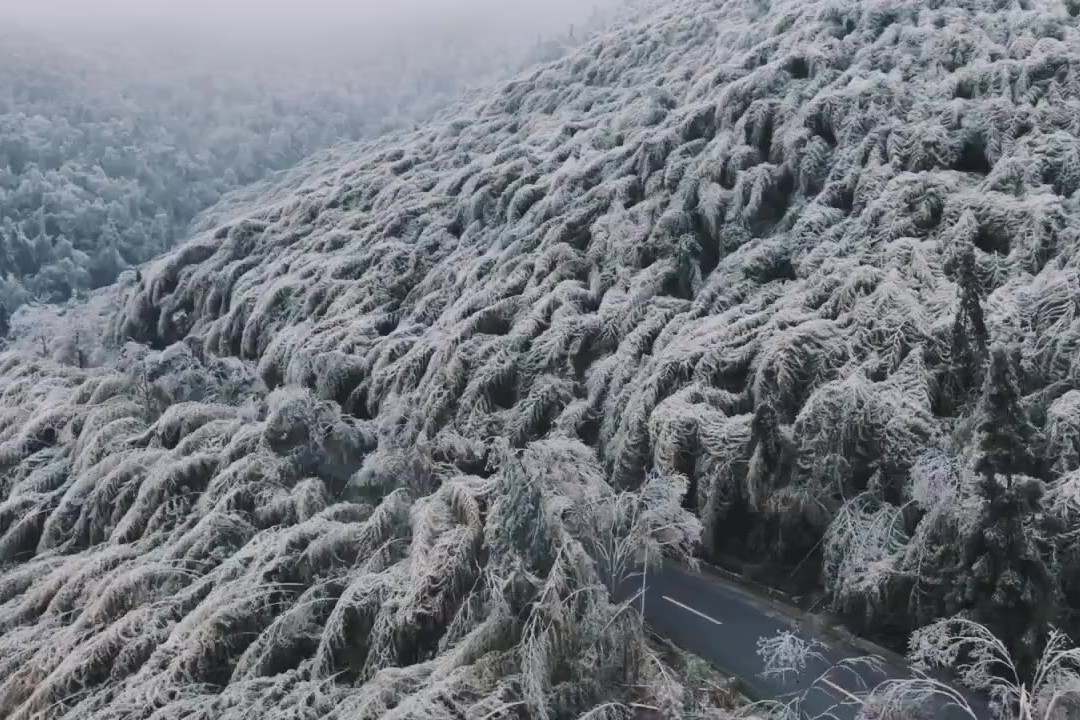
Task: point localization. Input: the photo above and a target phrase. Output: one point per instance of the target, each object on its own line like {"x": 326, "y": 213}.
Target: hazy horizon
{"x": 311, "y": 18}
{"x": 318, "y": 36}
{"x": 182, "y": 104}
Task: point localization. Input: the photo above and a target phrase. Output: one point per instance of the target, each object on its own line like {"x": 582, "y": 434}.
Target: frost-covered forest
{"x": 784, "y": 279}
{"x": 110, "y": 145}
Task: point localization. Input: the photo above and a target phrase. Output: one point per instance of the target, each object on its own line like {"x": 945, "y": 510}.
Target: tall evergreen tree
{"x": 969, "y": 337}
{"x": 1010, "y": 586}
{"x": 1004, "y": 430}
{"x": 5, "y": 321}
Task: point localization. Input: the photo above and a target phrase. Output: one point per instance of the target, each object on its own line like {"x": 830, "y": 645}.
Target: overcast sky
{"x": 306, "y": 15}
{"x": 303, "y": 33}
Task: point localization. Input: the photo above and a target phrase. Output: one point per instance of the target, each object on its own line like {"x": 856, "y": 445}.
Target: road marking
{"x": 842, "y": 691}
{"x": 687, "y": 608}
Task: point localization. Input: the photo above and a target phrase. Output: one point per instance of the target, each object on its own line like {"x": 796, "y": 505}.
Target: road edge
{"x": 820, "y": 624}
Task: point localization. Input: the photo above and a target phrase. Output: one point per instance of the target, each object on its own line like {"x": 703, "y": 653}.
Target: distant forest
{"x": 106, "y": 155}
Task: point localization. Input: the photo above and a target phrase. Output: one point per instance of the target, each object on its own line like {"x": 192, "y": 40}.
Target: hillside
{"x": 794, "y": 279}
{"x": 112, "y": 139}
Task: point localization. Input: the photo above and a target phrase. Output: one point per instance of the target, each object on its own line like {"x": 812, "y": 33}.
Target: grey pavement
{"x": 721, "y": 621}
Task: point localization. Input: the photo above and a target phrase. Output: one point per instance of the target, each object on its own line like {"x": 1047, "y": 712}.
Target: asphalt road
{"x": 721, "y": 621}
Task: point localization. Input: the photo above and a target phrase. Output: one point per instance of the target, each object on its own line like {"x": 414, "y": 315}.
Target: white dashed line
{"x": 687, "y": 608}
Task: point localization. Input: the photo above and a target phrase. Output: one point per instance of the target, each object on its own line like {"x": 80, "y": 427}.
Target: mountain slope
{"x": 716, "y": 258}
{"x": 115, "y": 133}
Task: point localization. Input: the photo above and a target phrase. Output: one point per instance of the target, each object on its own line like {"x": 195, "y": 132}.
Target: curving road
{"x": 721, "y": 621}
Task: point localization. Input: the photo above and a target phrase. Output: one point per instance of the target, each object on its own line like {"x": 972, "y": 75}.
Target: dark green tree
{"x": 5, "y": 321}
{"x": 1005, "y": 433}
{"x": 1010, "y": 587}
{"x": 969, "y": 336}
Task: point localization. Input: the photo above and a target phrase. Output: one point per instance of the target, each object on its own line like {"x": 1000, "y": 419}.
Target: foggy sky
{"x": 286, "y": 35}
{"x": 301, "y": 18}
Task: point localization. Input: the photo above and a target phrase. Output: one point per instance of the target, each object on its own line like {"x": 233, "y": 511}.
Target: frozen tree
{"x": 787, "y": 653}
{"x": 970, "y": 337}
{"x": 1005, "y": 433}
{"x": 634, "y": 532}
{"x": 862, "y": 550}
{"x": 1013, "y": 588}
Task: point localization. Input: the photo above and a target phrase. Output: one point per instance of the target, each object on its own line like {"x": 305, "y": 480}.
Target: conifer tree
{"x": 5, "y": 321}
{"x": 1005, "y": 432}
{"x": 1010, "y": 585}
{"x": 970, "y": 336}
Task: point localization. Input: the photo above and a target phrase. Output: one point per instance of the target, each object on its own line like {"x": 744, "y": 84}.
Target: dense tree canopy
{"x": 729, "y": 276}
{"x": 107, "y": 155}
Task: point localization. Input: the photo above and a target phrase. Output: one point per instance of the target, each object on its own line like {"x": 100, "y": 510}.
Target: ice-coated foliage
{"x": 979, "y": 660}
{"x": 983, "y": 662}
{"x": 111, "y": 142}
{"x": 214, "y": 560}
{"x": 787, "y": 653}
{"x": 645, "y": 268}
{"x": 721, "y": 259}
